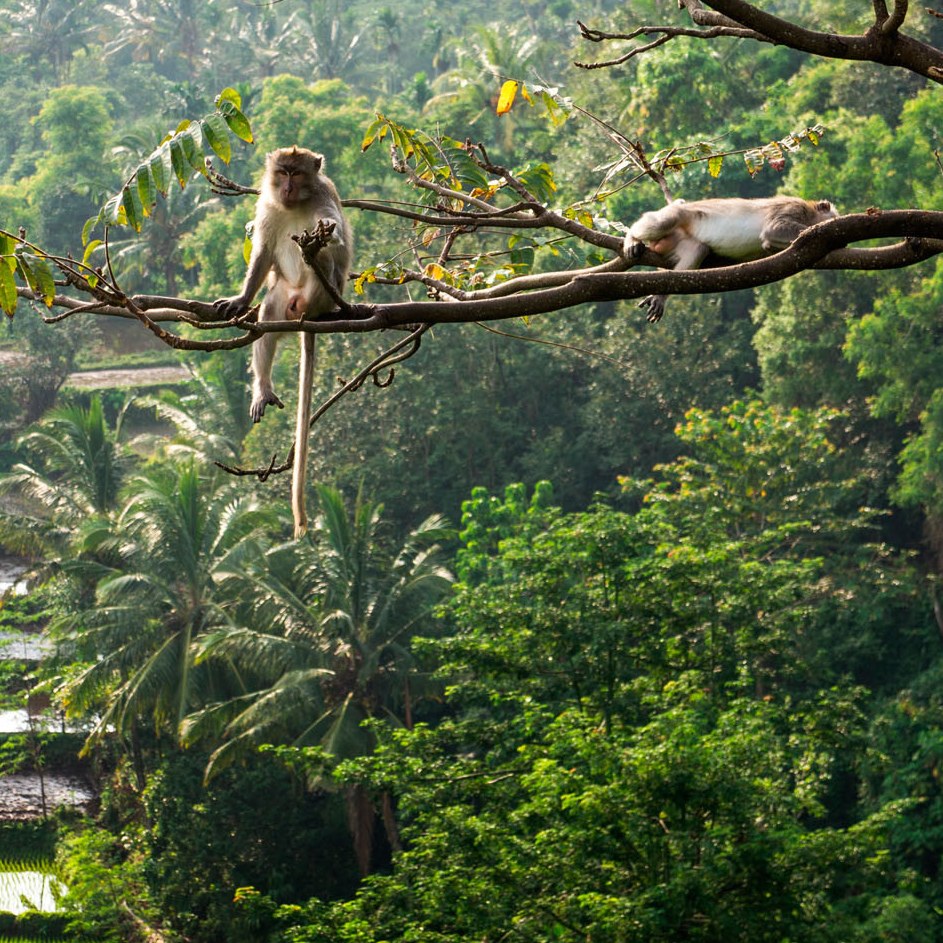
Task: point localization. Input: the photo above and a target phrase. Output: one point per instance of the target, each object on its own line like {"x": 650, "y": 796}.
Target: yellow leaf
{"x": 506, "y": 98}
{"x": 434, "y": 270}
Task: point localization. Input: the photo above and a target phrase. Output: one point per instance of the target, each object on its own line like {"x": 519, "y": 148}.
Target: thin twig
{"x": 400, "y": 351}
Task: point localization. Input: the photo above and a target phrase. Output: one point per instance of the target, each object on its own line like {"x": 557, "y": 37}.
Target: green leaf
{"x": 158, "y": 172}
{"x": 161, "y": 169}
{"x": 7, "y": 247}
{"x": 90, "y": 224}
{"x": 133, "y": 211}
{"x": 45, "y": 282}
{"x": 538, "y": 178}
{"x": 26, "y": 271}
{"x": 178, "y": 160}
{"x": 216, "y": 132}
{"x": 230, "y": 96}
{"x": 191, "y": 143}
{"x": 89, "y": 249}
{"x": 7, "y": 291}
{"x": 238, "y": 123}
{"x": 198, "y": 157}
{"x": 554, "y": 112}
{"x": 112, "y": 210}
{"x": 147, "y": 192}
{"x": 376, "y": 131}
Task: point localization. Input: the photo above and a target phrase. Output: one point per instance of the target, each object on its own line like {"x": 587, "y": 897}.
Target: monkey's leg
{"x": 690, "y": 253}
{"x": 302, "y": 422}
{"x": 263, "y": 354}
{"x": 651, "y": 228}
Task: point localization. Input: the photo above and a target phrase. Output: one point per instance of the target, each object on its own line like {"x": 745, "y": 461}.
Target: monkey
{"x": 739, "y": 229}
{"x": 296, "y": 197}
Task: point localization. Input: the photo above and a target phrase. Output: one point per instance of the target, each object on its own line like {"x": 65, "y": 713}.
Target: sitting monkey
{"x": 296, "y": 197}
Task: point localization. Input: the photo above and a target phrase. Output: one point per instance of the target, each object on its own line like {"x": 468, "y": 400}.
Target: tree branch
{"x": 822, "y": 246}
{"x": 882, "y": 43}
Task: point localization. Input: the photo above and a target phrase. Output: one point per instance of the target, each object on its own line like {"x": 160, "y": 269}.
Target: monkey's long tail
{"x": 302, "y": 421}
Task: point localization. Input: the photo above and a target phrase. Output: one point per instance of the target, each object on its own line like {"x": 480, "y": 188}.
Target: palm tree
{"x": 46, "y": 33}
{"x": 175, "y": 534}
{"x": 469, "y": 90}
{"x": 212, "y": 419}
{"x": 71, "y": 479}
{"x": 338, "y": 614}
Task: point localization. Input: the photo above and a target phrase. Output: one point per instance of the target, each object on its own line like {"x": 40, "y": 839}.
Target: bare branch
{"x": 400, "y": 351}
{"x": 664, "y": 33}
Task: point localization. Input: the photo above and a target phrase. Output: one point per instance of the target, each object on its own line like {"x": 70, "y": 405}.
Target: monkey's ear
{"x": 318, "y": 162}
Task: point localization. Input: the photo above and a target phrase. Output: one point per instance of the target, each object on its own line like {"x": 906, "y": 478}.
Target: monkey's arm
{"x": 260, "y": 263}
{"x": 778, "y": 235}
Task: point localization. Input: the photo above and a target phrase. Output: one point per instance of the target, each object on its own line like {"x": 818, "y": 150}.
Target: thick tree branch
{"x": 883, "y": 42}
{"x": 822, "y": 246}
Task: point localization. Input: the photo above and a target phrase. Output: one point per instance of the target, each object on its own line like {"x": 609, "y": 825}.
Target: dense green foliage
{"x": 672, "y": 672}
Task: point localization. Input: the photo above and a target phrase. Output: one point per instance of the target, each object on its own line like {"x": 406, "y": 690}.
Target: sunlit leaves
{"x": 17, "y": 260}
{"x": 216, "y": 132}
{"x": 179, "y": 155}
{"x": 438, "y": 160}
{"x": 7, "y": 268}
{"x": 229, "y": 106}
{"x": 507, "y": 96}
{"x": 556, "y": 107}
{"x": 7, "y": 290}
{"x": 538, "y": 178}
{"x": 775, "y": 152}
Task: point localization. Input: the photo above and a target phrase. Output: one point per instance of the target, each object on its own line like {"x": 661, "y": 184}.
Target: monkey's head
{"x": 290, "y": 174}
{"x": 825, "y": 209}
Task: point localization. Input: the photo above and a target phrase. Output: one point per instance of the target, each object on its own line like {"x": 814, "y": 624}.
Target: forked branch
{"x": 883, "y": 42}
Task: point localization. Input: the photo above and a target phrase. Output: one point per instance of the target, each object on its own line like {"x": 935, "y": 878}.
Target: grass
{"x": 109, "y": 360}
{"x": 24, "y": 843}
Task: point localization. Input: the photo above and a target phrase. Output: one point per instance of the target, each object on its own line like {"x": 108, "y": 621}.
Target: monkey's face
{"x": 291, "y": 174}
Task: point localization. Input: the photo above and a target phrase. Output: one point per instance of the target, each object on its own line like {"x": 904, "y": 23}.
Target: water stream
{"x": 21, "y": 794}
{"x": 12, "y": 572}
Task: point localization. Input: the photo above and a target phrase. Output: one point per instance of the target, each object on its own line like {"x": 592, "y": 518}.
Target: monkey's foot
{"x": 632, "y": 249}
{"x": 261, "y": 400}
{"x": 231, "y": 307}
{"x": 655, "y": 304}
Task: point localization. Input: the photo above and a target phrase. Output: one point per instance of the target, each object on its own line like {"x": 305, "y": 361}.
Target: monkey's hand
{"x": 656, "y": 307}
{"x": 232, "y": 307}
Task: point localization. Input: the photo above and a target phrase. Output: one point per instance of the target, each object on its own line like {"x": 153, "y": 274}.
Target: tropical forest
{"x": 581, "y": 582}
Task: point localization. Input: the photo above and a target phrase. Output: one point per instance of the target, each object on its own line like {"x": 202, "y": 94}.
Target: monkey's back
{"x": 732, "y": 227}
